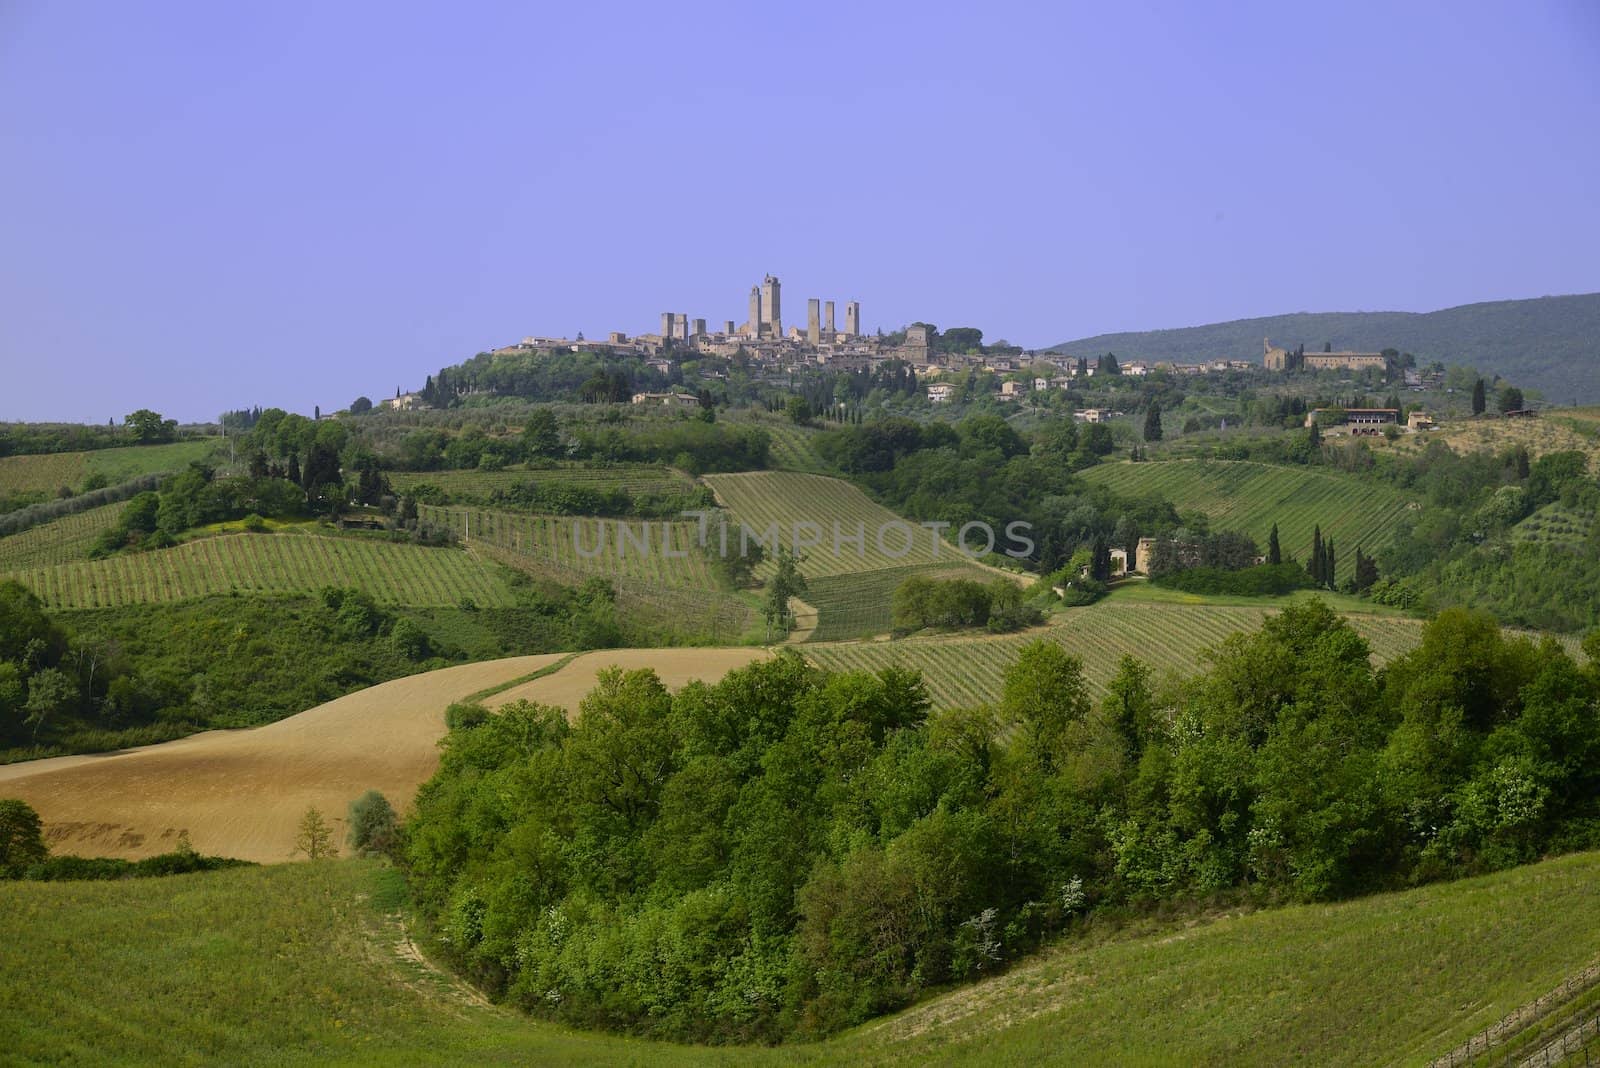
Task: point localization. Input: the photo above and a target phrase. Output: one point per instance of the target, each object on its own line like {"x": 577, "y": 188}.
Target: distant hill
{"x": 1551, "y": 343}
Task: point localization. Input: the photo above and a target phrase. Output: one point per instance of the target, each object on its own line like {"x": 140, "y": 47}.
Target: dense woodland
{"x": 788, "y": 852}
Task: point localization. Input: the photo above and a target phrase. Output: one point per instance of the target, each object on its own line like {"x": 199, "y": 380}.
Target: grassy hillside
{"x": 302, "y": 964}
{"x": 49, "y": 472}
{"x": 1551, "y": 343}
{"x": 1250, "y": 497}
{"x": 268, "y": 564}
{"x": 966, "y": 670}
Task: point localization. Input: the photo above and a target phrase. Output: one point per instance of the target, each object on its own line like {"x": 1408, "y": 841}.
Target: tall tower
{"x": 666, "y": 325}
{"x": 852, "y": 318}
{"x": 680, "y": 326}
{"x": 755, "y": 311}
{"x": 814, "y": 321}
{"x": 727, "y": 328}
{"x": 771, "y": 306}
{"x": 827, "y": 320}
{"x": 697, "y": 328}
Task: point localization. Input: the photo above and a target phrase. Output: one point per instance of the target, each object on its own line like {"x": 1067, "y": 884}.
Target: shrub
{"x": 21, "y": 837}
{"x": 372, "y": 824}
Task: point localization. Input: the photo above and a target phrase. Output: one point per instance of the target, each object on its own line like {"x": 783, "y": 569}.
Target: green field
{"x": 676, "y": 615}
{"x": 631, "y": 478}
{"x": 306, "y": 964}
{"x": 59, "y": 541}
{"x": 270, "y": 564}
{"x": 584, "y": 545}
{"x": 763, "y": 498}
{"x": 793, "y": 450}
{"x": 1250, "y": 497}
{"x": 857, "y": 605}
{"x": 49, "y": 472}
{"x": 967, "y": 670}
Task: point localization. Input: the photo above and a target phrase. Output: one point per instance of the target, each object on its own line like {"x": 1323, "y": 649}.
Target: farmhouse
{"x": 1095, "y": 415}
{"x": 941, "y": 392}
{"x": 1419, "y": 421}
{"x": 671, "y": 400}
{"x": 1360, "y": 418}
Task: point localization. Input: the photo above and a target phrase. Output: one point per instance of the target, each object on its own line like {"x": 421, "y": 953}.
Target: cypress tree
{"x": 1274, "y": 553}
{"x": 1328, "y": 564}
{"x": 1315, "y": 566}
{"x": 1152, "y": 422}
{"x": 1479, "y": 402}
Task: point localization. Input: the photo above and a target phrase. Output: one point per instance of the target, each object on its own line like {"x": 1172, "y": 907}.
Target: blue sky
{"x": 210, "y": 206}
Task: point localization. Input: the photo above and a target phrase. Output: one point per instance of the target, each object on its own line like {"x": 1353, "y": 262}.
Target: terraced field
{"x": 270, "y": 564}
{"x": 59, "y": 541}
{"x": 631, "y": 478}
{"x": 49, "y": 472}
{"x": 1250, "y": 497}
{"x": 968, "y": 670}
{"x": 857, "y": 605}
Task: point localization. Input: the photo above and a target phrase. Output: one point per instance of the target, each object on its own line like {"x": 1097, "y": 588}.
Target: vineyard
{"x": 679, "y": 615}
{"x": 635, "y": 479}
{"x": 270, "y": 564}
{"x": 857, "y": 605}
{"x": 48, "y": 472}
{"x": 967, "y": 671}
{"x": 763, "y": 499}
{"x": 1251, "y": 497}
{"x": 792, "y": 449}
{"x": 60, "y": 541}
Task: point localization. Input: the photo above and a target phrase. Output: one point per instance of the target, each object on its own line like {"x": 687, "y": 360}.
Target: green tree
{"x": 148, "y": 427}
{"x": 1152, "y": 422}
{"x": 786, "y": 582}
{"x": 314, "y": 837}
{"x": 361, "y": 405}
{"x": 21, "y": 837}
{"x": 374, "y": 828}
{"x": 1479, "y": 401}
{"x": 1044, "y": 690}
{"x": 799, "y": 411}
{"x": 1509, "y": 399}
{"x": 542, "y": 435}
{"x": 1274, "y": 552}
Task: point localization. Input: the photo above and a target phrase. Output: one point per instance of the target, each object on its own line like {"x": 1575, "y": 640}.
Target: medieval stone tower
{"x": 852, "y": 318}
{"x": 771, "y": 307}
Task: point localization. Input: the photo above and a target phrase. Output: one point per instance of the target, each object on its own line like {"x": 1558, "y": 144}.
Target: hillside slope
{"x": 242, "y": 793}
{"x": 1549, "y": 343}
{"x": 299, "y": 964}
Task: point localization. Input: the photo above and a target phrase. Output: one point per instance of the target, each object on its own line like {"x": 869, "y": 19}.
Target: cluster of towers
{"x": 766, "y": 315}
{"x": 766, "y": 319}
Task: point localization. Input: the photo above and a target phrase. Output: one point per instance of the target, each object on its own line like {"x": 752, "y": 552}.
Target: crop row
{"x": 653, "y": 551}
{"x": 833, "y": 510}
{"x": 270, "y": 564}
{"x": 967, "y": 671}
{"x": 1251, "y": 497}
{"x": 630, "y": 478}
{"x": 858, "y": 605}
{"x": 59, "y": 541}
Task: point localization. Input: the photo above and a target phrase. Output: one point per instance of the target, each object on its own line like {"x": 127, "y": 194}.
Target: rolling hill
{"x": 1250, "y": 497}
{"x": 310, "y": 964}
{"x": 1549, "y": 343}
{"x": 241, "y": 793}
